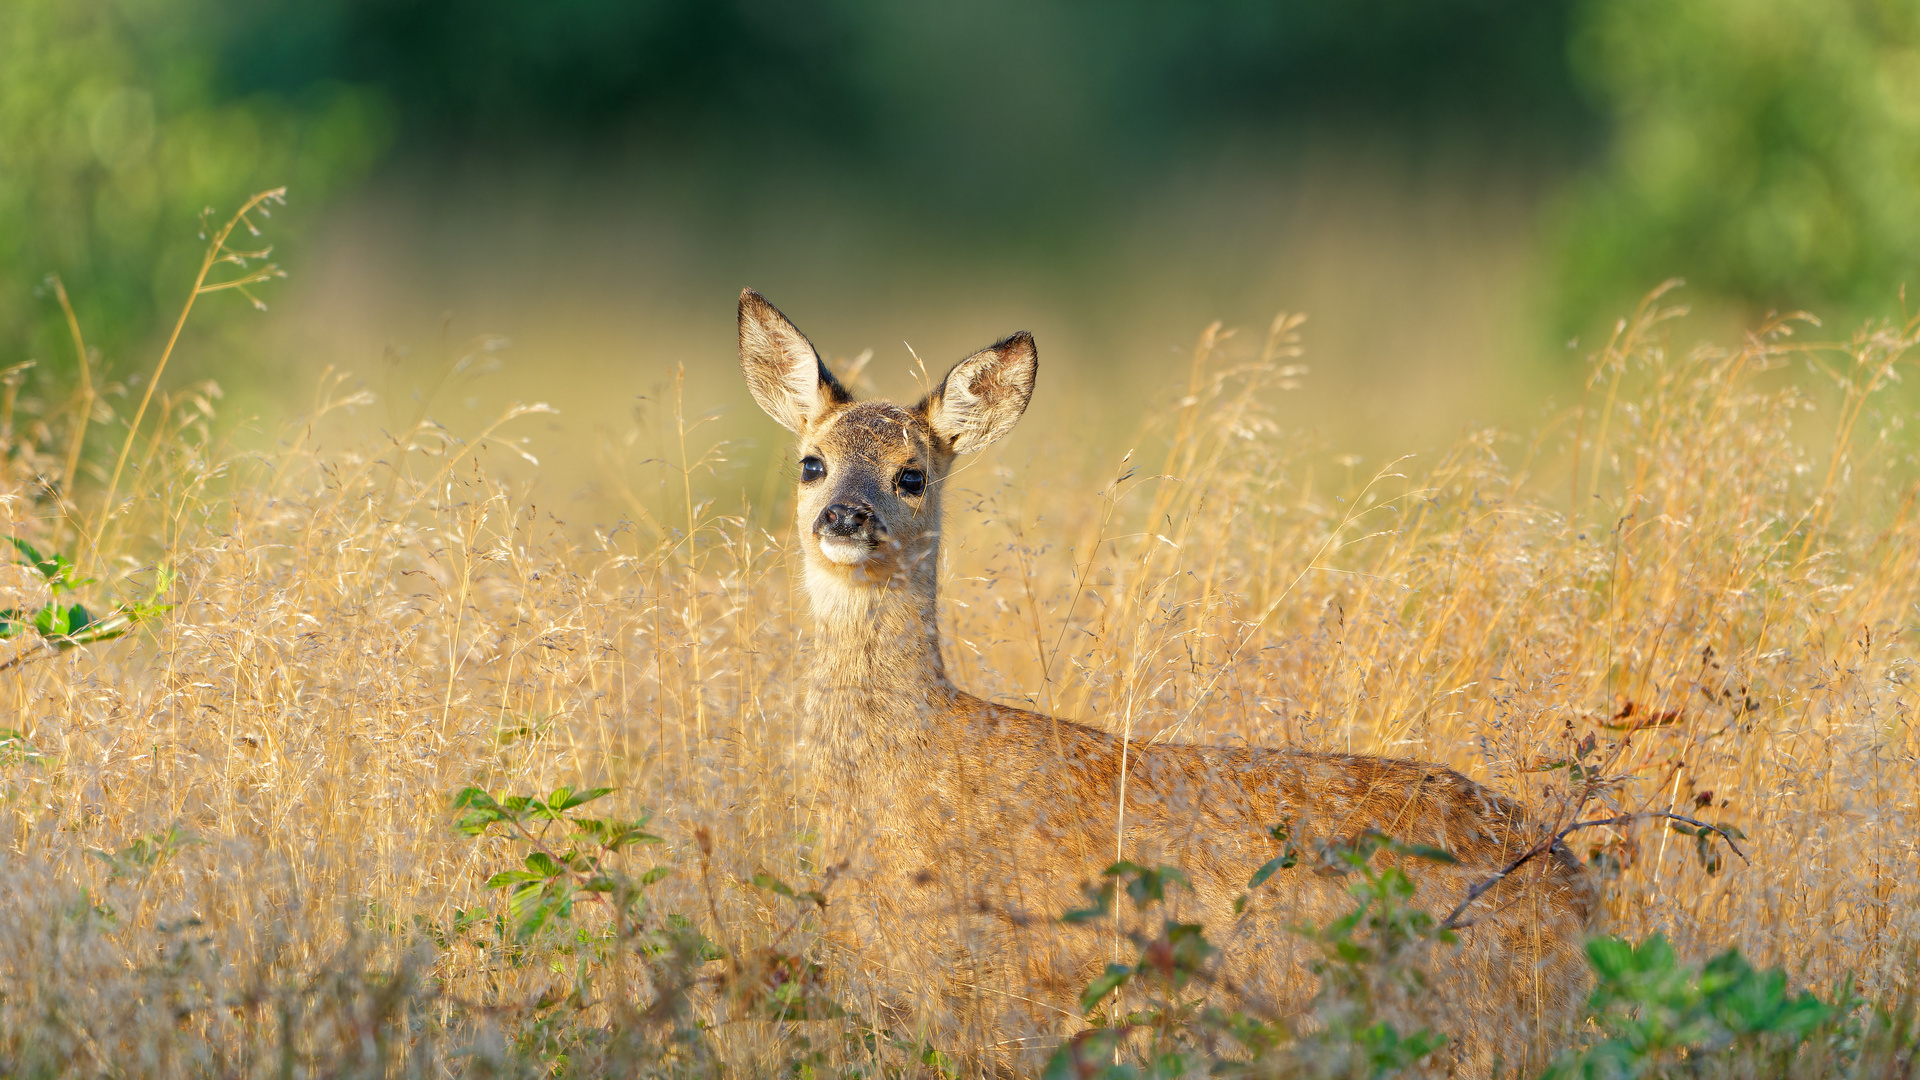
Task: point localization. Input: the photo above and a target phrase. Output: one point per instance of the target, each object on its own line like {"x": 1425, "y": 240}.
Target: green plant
{"x": 1172, "y": 1030}
{"x": 363, "y": 623}
{"x": 1368, "y": 953}
{"x": 117, "y": 134}
{"x": 1763, "y": 150}
{"x": 555, "y": 874}
{"x": 142, "y": 855}
{"x": 1175, "y": 1031}
{"x": 57, "y": 625}
{"x": 1658, "y": 1017}
{"x": 566, "y": 857}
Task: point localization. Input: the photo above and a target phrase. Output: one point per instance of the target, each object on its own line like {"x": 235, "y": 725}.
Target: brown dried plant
{"x": 229, "y": 839}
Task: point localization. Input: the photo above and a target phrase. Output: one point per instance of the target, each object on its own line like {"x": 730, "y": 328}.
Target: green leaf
{"x": 764, "y": 880}
{"x": 656, "y": 874}
{"x": 480, "y": 811}
{"x": 1169, "y": 1066}
{"x": 1271, "y": 866}
{"x": 1089, "y": 1053}
{"x": 1282, "y": 834}
{"x": 473, "y": 797}
{"x": 51, "y": 621}
{"x": 1611, "y": 957}
{"x": 1104, "y": 984}
{"x": 792, "y": 1001}
{"x": 513, "y": 877}
{"x": 1393, "y": 884}
{"x": 144, "y": 609}
{"x": 566, "y": 798}
{"x": 33, "y": 556}
{"x": 55, "y": 569}
{"x": 1151, "y": 886}
{"x": 1190, "y": 947}
{"x": 1427, "y": 852}
{"x": 526, "y": 896}
{"x": 148, "y": 852}
{"x": 1099, "y": 903}
{"x": 535, "y": 916}
{"x": 1388, "y": 1052}
{"x": 941, "y": 1064}
{"x": 614, "y": 835}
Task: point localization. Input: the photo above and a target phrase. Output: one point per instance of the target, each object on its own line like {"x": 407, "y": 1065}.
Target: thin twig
{"x": 1452, "y": 921}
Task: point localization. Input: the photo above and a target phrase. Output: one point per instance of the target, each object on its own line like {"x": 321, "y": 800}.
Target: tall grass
{"x": 229, "y": 836}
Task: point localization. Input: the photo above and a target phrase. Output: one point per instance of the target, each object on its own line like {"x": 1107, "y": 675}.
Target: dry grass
{"x": 1722, "y": 602}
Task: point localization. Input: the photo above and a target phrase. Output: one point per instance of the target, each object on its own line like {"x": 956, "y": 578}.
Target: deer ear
{"x": 984, "y": 394}
{"x": 784, "y": 372}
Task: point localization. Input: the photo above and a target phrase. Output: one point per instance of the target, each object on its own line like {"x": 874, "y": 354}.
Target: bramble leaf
{"x": 763, "y": 880}
{"x": 1099, "y": 903}
{"x": 1267, "y": 869}
{"x": 1105, "y": 983}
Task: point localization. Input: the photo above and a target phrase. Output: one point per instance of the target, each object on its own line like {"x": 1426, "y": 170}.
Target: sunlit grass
{"x": 230, "y": 842}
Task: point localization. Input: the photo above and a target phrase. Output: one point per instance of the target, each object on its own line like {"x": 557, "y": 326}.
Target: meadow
{"x": 260, "y": 791}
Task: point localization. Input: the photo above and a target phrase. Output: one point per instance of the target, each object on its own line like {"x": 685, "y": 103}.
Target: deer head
{"x": 871, "y": 472}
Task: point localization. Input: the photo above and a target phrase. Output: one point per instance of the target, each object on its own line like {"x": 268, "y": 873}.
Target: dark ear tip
{"x": 1022, "y": 340}
{"x": 751, "y": 302}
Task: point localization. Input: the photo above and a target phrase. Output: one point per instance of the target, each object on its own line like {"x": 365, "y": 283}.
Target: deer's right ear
{"x": 786, "y": 375}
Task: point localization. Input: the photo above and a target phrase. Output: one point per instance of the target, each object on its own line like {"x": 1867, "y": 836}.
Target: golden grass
{"x": 1723, "y": 603}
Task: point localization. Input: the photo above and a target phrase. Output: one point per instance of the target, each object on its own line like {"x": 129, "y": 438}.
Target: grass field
{"x": 231, "y": 834}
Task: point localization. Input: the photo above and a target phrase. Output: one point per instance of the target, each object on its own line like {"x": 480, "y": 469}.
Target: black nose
{"x": 845, "y": 519}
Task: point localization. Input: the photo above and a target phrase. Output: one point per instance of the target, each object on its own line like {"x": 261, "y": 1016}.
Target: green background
{"x": 1768, "y": 151}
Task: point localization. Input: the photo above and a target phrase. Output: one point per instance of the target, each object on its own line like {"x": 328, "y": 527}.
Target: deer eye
{"x": 811, "y": 469}
{"x": 912, "y": 481}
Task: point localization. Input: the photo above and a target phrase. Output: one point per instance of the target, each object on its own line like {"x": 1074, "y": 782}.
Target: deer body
{"x": 970, "y": 825}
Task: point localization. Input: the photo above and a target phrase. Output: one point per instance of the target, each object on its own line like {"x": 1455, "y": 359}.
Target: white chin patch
{"x": 841, "y": 550}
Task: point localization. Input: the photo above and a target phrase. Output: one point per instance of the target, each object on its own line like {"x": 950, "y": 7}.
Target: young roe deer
{"x": 971, "y": 824}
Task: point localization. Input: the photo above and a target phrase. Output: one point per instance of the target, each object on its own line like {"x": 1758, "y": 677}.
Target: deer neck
{"x": 878, "y": 692}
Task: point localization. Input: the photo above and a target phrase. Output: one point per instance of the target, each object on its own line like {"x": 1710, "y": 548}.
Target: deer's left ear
{"x": 983, "y": 395}
{"x": 784, "y": 372}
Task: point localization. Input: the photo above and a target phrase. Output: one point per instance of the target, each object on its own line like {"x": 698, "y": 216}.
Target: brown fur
{"x": 971, "y": 825}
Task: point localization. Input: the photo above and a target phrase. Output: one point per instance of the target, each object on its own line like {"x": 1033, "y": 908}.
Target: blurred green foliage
{"x": 113, "y": 139}
{"x": 1008, "y": 114}
{"x": 1767, "y": 151}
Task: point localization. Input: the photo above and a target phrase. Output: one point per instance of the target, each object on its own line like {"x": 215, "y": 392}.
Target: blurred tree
{"x": 112, "y": 141}
{"x": 1009, "y": 112}
{"x": 1767, "y": 151}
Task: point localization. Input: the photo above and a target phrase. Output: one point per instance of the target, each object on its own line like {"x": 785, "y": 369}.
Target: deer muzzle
{"x": 849, "y": 532}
